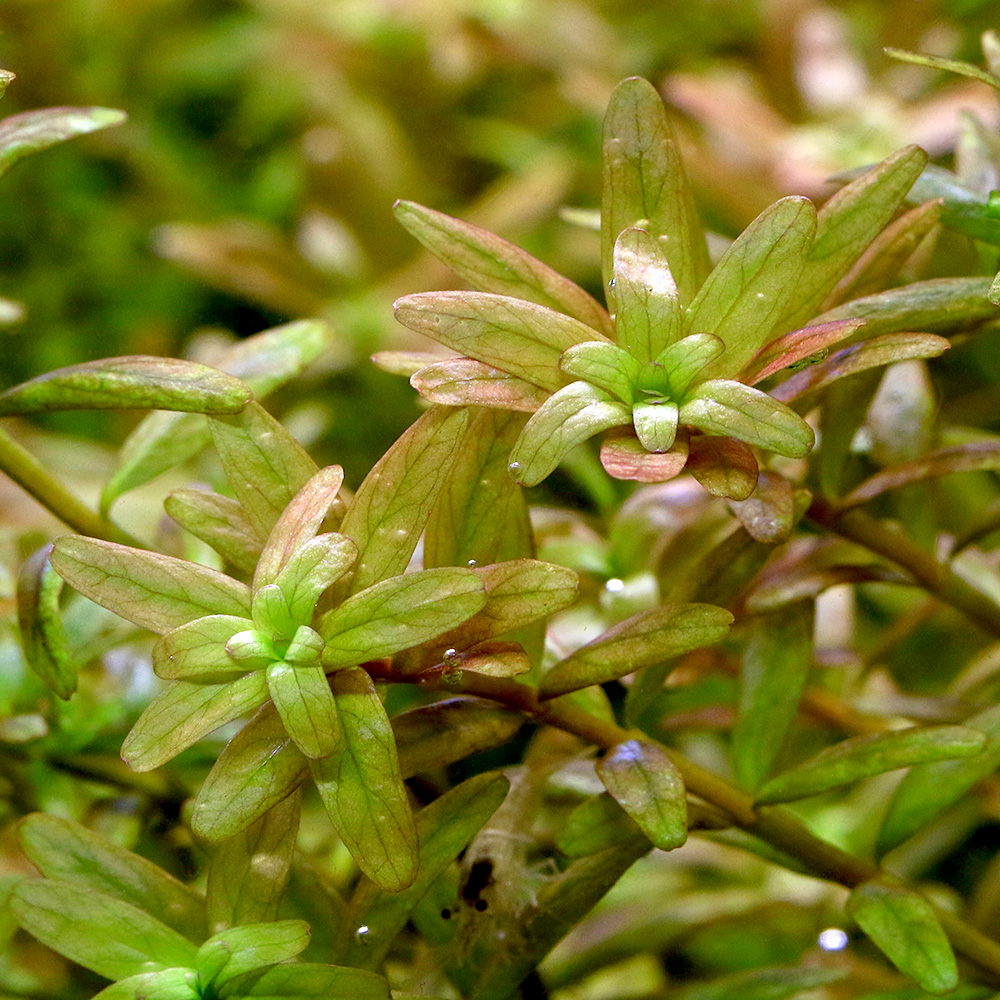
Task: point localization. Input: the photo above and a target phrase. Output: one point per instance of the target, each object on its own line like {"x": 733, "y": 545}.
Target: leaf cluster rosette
{"x": 671, "y": 368}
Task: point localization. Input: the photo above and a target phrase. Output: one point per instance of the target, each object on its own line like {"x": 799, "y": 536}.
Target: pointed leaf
{"x": 775, "y": 665}
{"x": 848, "y": 223}
{"x": 186, "y": 712}
{"x": 306, "y": 981}
{"x": 643, "y": 780}
{"x": 43, "y": 638}
{"x": 467, "y": 382}
{"x": 645, "y": 186}
{"x": 135, "y": 382}
{"x": 492, "y": 264}
{"x": 238, "y": 950}
{"x": 723, "y": 407}
{"x": 929, "y": 789}
{"x": 312, "y": 568}
{"x": 948, "y": 65}
{"x": 196, "y": 650}
{"x": 362, "y": 789}
{"x": 116, "y": 940}
{"x": 876, "y": 753}
{"x": 624, "y": 457}
{"x": 640, "y": 641}
{"x": 682, "y": 361}
{"x": 391, "y": 506}
{"x": 218, "y": 521}
{"x": 873, "y": 353}
{"x": 151, "y": 590}
{"x": 264, "y": 465}
{"x": 298, "y": 523}
{"x": 904, "y": 925}
{"x": 31, "y": 131}
{"x": 724, "y": 466}
{"x": 444, "y": 829}
{"x": 796, "y": 348}
{"x": 655, "y": 425}
{"x": 518, "y": 337}
{"x": 606, "y": 366}
{"x": 258, "y": 769}
{"x": 648, "y": 315}
{"x": 768, "y": 514}
{"x": 303, "y": 700}
{"x": 398, "y": 613}
{"x": 248, "y": 872}
{"x": 746, "y": 293}
{"x": 64, "y": 850}
{"x": 568, "y": 418}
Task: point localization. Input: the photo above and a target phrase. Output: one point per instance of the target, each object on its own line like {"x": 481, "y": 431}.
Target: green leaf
{"x": 904, "y": 925}
{"x": 643, "y": 780}
{"x": 136, "y": 382}
{"x": 520, "y": 591}
{"x": 721, "y": 406}
{"x": 169, "y": 984}
{"x": 929, "y": 789}
{"x": 518, "y": 337}
{"x": 43, "y": 638}
{"x": 444, "y": 829}
{"x": 648, "y": 318}
{"x": 876, "y": 753}
{"x": 724, "y": 466}
{"x": 568, "y": 418}
{"x": 595, "y": 825}
{"x": 624, "y": 457}
{"x": 492, "y": 264}
{"x": 196, "y": 650}
{"x": 299, "y": 522}
{"x": 271, "y": 613}
{"x": 264, "y": 465}
{"x": 303, "y": 700}
{"x": 467, "y": 382}
{"x": 874, "y": 353}
{"x": 314, "y": 567}
{"x": 258, "y": 769}
{"x": 748, "y": 290}
{"x": 218, "y": 521}
{"x": 392, "y": 505}
{"x": 186, "y": 712}
{"x": 655, "y": 425}
{"x": 148, "y": 589}
{"x": 31, "y": 131}
{"x": 776, "y": 662}
{"x": 480, "y": 515}
{"x": 948, "y": 65}
{"x": 773, "y": 983}
{"x": 262, "y": 362}
{"x": 362, "y": 788}
{"x": 683, "y": 360}
{"x": 248, "y": 872}
{"x": 238, "y": 950}
{"x": 645, "y": 186}
{"x": 768, "y": 514}
{"x": 640, "y": 641}
{"x": 115, "y": 940}
{"x": 606, "y": 366}
{"x": 847, "y": 224}
{"x": 64, "y": 850}
{"x": 306, "y": 981}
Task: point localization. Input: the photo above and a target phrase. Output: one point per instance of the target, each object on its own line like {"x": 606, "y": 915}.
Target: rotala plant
{"x": 408, "y": 740}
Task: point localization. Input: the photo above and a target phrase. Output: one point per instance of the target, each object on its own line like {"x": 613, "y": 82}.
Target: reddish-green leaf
{"x": 264, "y": 465}
{"x": 186, "y": 712}
{"x": 794, "y": 347}
{"x": 518, "y": 337}
{"x": 624, "y": 457}
{"x": 645, "y": 186}
{"x": 31, "y": 131}
{"x": 648, "y": 317}
{"x": 904, "y": 925}
{"x": 136, "y": 382}
{"x": 217, "y": 520}
{"x": 362, "y": 788}
{"x": 62, "y": 849}
{"x": 724, "y": 466}
{"x": 467, "y": 382}
{"x": 863, "y": 756}
{"x": 303, "y": 700}
{"x": 115, "y": 939}
{"x": 196, "y": 650}
{"x": 570, "y": 416}
{"x": 43, "y": 639}
{"x": 748, "y": 290}
{"x": 492, "y": 264}
{"x": 151, "y": 590}
{"x": 640, "y": 641}
{"x": 768, "y": 514}
{"x": 643, "y": 780}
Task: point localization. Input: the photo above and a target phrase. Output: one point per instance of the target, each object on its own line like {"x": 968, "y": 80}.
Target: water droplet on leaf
{"x": 363, "y": 934}
{"x": 451, "y": 657}
{"x": 472, "y": 564}
{"x": 614, "y": 585}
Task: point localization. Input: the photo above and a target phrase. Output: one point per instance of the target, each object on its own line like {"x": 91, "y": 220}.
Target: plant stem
{"x": 31, "y": 475}
{"x": 935, "y": 575}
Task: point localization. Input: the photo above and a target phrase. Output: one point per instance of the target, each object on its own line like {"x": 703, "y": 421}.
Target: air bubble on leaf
{"x": 451, "y": 657}
{"x": 611, "y": 283}
{"x": 472, "y": 564}
{"x": 832, "y": 939}
{"x": 363, "y": 934}
{"x": 615, "y": 585}
{"x": 514, "y": 467}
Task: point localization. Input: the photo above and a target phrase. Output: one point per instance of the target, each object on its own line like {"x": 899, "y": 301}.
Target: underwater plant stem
{"x": 935, "y": 575}
{"x": 31, "y": 475}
